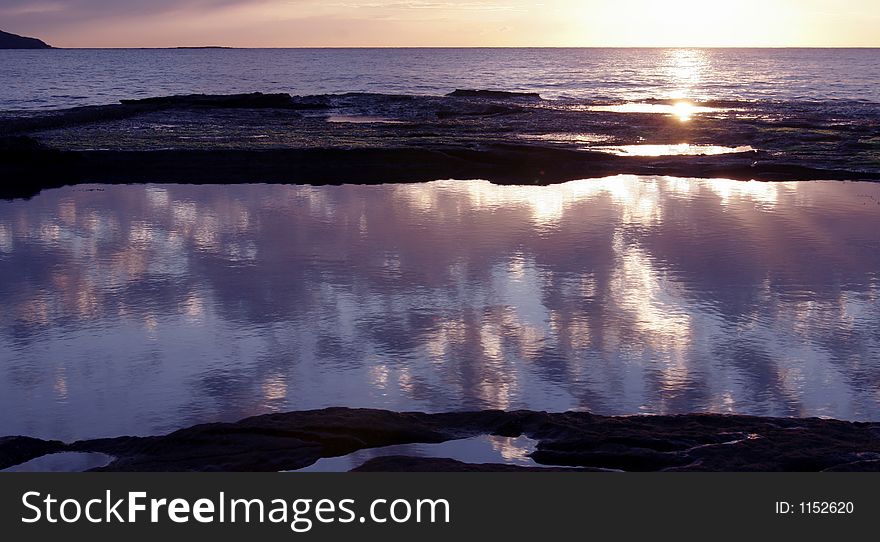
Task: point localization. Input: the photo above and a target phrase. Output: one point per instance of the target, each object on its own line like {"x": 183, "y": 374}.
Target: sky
{"x": 452, "y": 23}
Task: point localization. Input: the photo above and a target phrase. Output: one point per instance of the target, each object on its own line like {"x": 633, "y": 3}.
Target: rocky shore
{"x": 566, "y": 441}
{"x": 510, "y": 138}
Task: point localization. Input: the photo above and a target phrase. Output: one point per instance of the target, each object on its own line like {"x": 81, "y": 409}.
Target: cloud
{"x": 84, "y": 8}
{"x": 428, "y": 5}
{"x": 50, "y": 13}
{"x": 84, "y": 22}
{"x": 109, "y": 23}
{"x": 129, "y": 23}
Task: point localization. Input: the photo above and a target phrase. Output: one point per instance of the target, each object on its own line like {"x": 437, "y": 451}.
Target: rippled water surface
{"x": 140, "y": 309}
{"x": 57, "y": 78}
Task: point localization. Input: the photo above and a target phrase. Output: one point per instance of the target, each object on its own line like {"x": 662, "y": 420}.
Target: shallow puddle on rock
{"x": 355, "y": 119}
{"x": 565, "y": 137}
{"x": 682, "y": 149}
{"x": 684, "y": 111}
{"x": 480, "y": 449}
{"x": 64, "y": 462}
{"x": 436, "y": 296}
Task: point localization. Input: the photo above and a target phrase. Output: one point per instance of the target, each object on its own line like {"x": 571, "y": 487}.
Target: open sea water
{"x": 54, "y": 79}
{"x": 142, "y": 309}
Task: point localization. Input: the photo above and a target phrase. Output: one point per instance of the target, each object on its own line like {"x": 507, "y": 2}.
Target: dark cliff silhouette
{"x": 14, "y": 41}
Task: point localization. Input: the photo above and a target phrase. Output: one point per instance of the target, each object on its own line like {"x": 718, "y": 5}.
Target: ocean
{"x": 140, "y": 309}
{"x": 62, "y": 78}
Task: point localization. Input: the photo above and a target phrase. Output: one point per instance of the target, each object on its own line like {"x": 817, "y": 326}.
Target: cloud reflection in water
{"x": 139, "y": 309}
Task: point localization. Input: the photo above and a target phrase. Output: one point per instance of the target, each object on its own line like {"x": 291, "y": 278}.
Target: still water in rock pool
{"x": 142, "y": 309}
{"x": 481, "y": 449}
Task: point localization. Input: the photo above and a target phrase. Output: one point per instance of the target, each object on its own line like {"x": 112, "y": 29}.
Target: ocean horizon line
{"x": 450, "y": 47}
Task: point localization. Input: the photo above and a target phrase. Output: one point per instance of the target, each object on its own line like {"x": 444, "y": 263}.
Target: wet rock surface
{"x": 254, "y": 100}
{"x": 492, "y": 94}
{"x": 574, "y": 440}
{"x": 511, "y": 138}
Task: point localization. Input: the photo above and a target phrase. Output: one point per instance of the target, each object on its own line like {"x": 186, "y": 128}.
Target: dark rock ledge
{"x": 576, "y": 440}
{"x": 503, "y": 137}
{"x": 492, "y": 94}
{"x": 31, "y": 168}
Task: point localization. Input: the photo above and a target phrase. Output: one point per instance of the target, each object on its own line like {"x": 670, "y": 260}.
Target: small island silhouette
{"x": 14, "y": 41}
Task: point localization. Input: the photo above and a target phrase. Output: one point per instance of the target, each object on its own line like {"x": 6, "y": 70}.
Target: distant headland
{"x": 14, "y": 41}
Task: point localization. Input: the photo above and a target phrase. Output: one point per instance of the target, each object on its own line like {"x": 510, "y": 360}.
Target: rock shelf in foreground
{"x": 503, "y": 137}
{"x": 572, "y": 440}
